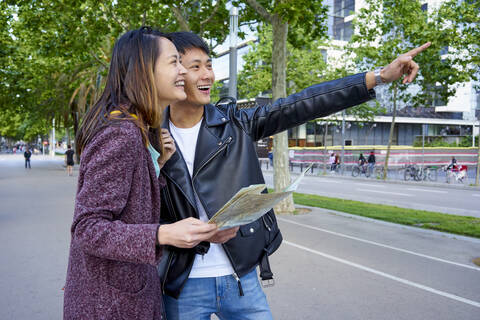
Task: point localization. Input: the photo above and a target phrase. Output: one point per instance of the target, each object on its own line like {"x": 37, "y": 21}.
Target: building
{"x": 454, "y": 121}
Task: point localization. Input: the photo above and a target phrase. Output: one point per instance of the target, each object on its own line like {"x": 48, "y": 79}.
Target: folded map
{"x": 249, "y": 204}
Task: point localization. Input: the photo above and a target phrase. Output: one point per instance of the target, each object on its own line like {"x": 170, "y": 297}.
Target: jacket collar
{"x": 212, "y": 114}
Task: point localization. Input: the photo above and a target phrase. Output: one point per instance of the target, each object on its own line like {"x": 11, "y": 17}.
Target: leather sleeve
{"x": 317, "y": 101}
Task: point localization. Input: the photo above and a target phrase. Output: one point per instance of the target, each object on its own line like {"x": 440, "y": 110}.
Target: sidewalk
{"x": 35, "y": 216}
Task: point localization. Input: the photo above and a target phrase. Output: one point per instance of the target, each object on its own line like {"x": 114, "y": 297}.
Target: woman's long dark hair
{"x": 130, "y": 89}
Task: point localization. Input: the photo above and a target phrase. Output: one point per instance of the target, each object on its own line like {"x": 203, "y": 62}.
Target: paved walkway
{"x": 35, "y": 214}
{"x": 329, "y": 267}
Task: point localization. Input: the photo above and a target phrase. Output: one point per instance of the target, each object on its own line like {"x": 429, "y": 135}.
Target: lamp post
{"x": 423, "y": 146}
{"x": 232, "y": 81}
{"x": 52, "y": 146}
{"x": 342, "y": 157}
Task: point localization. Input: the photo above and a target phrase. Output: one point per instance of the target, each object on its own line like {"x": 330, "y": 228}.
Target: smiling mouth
{"x": 204, "y": 88}
{"x": 180, "y": 83}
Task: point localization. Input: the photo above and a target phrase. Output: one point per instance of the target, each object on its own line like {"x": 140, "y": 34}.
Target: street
{"x": 441, "y": 198}
{"x": 330, "y": 265}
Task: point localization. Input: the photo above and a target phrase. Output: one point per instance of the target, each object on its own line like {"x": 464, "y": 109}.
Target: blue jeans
{"x": 201, "y": 297}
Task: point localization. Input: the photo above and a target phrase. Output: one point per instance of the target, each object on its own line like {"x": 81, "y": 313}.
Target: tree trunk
{"x": 74, "y": 113}
{"x": 478, "y": 157}
{"x": 392, "y": 129}
{"x": 281, "y": 175}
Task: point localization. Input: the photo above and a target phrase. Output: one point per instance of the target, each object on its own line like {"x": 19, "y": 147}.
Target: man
{"x": 27, "y": 155}
{"x": 453, "y": 164}
{"x": 215, "y": 158}
{"x": 371, "y": 161}
{"x": 69, "y": 160}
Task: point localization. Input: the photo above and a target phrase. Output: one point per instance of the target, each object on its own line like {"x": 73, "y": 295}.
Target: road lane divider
{"x": 380, "y": 245}
{"x": 427, "y": 190}
{"x": 386, "y": 275}
{"x": 387, "y": 192}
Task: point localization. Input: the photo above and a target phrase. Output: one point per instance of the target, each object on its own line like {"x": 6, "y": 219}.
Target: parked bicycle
{"x": 411, "y": 173}
{"x": 427, "y": 173}
{"x": 360, "y": 169}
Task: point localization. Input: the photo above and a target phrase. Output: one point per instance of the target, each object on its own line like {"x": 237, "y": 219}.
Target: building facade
{"x": 451, "y": 122}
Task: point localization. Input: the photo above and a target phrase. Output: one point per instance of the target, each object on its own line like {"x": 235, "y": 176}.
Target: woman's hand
{"x": 168, "y": 146}
{"x": 186, "y": 233}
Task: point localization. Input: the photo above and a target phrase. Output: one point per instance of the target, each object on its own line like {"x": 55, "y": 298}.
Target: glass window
{"x": 478, "y": 99}
{"x": 342, "y": 30}
{"x": 343, "y": 8}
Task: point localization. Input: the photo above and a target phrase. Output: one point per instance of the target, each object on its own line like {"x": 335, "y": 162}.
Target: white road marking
{"x": 476, "y": 195}
{"x": 386, "y": 275}
{"x": 364, "y": 184}
{"x": 386, "y": 192}
{"x": 380, "y": 244}
{"x": 427, "y": 190}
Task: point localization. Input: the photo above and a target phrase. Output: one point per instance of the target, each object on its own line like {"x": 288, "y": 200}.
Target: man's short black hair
{"x": 184, "y": 40}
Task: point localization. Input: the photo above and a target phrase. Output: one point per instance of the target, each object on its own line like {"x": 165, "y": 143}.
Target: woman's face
{"x": 169, "y": 74}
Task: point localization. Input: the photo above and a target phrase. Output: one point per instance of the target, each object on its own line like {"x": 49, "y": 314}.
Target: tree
{"x": 55, "y": 54}
{"x": 282, "y": 14}
{"x": 386, "y": 28}
{"x": 305, "y": 66}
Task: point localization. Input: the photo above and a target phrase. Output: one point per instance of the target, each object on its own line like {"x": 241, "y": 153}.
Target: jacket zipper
{"x": 264, "y": 218}
{"x": 235, "y": 275}
{"x": 224, "y": 145}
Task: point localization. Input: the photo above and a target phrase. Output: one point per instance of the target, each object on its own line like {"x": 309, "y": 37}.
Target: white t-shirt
{"x": 215, "y": 263}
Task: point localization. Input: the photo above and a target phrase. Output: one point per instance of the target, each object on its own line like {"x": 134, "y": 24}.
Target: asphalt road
{"x": 441, "y": 198}
{"x": 330, "y": 266}
{"x": 338, "y": 267}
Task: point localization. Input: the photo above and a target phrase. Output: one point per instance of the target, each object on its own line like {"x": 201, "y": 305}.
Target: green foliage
{"x": 387, "y": 28}
{"x": 465, "y": 142}
{"x": 306, "y": 18}
{"x": 55, "y": 54}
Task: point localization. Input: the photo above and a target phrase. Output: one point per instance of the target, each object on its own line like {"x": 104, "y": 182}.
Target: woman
{"x": 116, "y": 237}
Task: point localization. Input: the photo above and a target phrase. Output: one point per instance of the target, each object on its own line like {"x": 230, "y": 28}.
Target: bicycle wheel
{"x": 355, "y": 171}
{"x": 432, "y": 174}
{"x": 407, "y": 175}
{"x": 418, "y": 175}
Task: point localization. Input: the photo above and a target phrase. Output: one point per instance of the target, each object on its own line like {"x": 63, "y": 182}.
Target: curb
{"x": 396, "y": 225}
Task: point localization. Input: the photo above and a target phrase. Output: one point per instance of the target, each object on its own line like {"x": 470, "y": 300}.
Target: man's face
{"x": 199, "y": 78}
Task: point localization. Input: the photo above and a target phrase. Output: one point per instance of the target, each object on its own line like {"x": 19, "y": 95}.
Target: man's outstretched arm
{"x": 322, "y": 99}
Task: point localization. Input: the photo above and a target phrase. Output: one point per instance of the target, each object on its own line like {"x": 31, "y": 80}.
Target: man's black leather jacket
{"x": 226, "y": 160}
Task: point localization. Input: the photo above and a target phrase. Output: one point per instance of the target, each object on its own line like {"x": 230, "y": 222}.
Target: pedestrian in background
{"x": 333, "y": 161}
{"x": 69, "y": 160}
{"x": 371, "y": 161}
{"x": 27, "y": 155}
